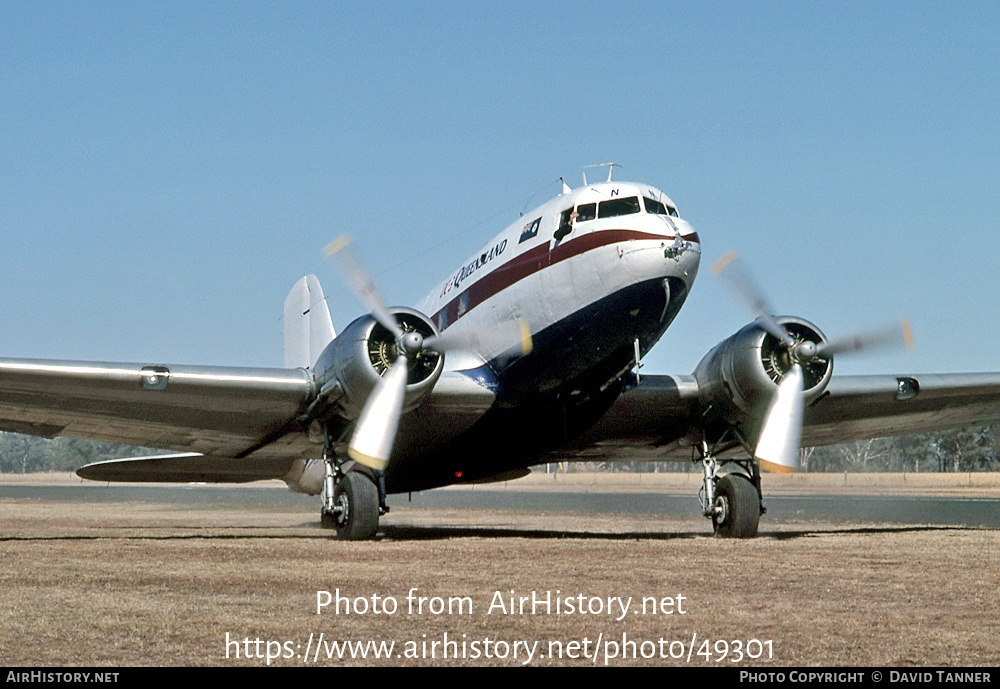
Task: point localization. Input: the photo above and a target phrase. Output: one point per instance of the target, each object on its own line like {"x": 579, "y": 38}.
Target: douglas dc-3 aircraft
{"x": 525, "y": 354}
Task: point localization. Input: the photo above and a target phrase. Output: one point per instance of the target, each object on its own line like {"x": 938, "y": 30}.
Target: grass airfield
{"x": 171, "y": 582}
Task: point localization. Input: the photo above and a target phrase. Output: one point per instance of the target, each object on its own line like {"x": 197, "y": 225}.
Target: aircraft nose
{"x": 686, "y": 231}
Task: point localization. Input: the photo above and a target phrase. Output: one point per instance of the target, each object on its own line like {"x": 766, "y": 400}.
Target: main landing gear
{"x": 353, "y": 500}
{"x": 732, "y": 500}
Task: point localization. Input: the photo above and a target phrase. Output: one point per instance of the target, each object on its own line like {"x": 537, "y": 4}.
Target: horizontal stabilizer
{"x": 185, "y": 468}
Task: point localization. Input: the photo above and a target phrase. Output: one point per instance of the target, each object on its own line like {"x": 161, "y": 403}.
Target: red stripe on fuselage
{"x": 534, "y": 260}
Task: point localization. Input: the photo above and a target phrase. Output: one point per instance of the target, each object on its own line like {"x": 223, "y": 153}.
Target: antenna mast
{"x": 610, "y": 166}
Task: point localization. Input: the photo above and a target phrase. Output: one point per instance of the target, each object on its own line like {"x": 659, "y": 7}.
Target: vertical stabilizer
{"x": 308, "y": 326}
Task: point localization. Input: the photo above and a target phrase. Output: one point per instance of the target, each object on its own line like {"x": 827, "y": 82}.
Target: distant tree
{"x": 21, "y": 454}
{"x": 865, "y": 455}
{"x": 966, "y": 449}
{"x": 805, "y": 454}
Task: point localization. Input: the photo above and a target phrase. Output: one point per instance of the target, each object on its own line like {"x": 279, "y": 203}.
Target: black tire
{"x": 739, "y": 504}
{"x": 358, "y": 496}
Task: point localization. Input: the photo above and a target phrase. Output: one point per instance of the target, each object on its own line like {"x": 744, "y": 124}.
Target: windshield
{"x": 626, "y": 206}
{"x": 658, "y": 208}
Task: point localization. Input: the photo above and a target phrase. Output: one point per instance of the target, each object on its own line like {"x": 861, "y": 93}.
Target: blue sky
{"x": 168, "y": 170}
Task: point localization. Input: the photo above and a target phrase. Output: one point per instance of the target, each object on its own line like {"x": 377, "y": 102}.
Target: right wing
{"x": 234, "y": 413}
{"x": 224, "y": 424}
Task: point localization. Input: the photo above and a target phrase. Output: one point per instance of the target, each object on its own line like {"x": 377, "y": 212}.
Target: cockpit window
{"x": 654, "y": 207}
{"x": 626, "y": 206}
{"x": 658, "y": 208}
{"x": 587, "y": 211}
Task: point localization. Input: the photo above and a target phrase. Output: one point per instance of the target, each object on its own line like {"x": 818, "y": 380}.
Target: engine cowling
{"x": 738, "y": 378}
{"x": 364, "y": 352}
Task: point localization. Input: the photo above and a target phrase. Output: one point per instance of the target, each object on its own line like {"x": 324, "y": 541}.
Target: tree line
{"x": 23, "y": 454}
{"x": 973, "y": 448}
{"x": 960, "y": 450}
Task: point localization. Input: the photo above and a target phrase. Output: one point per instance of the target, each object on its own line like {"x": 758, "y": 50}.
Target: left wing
{"x": 861, "y": 407}
{"x": 664, "y": 417}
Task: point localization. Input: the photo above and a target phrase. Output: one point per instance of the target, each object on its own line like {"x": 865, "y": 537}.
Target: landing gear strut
{"x": 353, "y": 501}
{"x": 733, "y": 500}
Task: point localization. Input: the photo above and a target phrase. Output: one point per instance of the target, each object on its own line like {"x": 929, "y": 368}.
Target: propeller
{"x": 743, "y": 283}
{"x": 781, "y": 434}
{"x": 779, "y": 443}
{"x": 360, "y": 282}
{"x": 376, "y": 427}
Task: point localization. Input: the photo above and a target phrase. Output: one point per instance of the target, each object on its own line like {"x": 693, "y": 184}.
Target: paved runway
{"x": 852, "y": 509}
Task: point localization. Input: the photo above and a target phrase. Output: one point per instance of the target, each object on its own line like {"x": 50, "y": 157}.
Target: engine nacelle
{"x": 360, "y": 355}
{"x": 738, "y": 378}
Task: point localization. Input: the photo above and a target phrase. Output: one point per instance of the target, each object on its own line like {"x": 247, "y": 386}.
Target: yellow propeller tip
{"x": 776, "y": 468}
{"x": 336, "y": 245}
{"x": 370, "y": 462}
{"x": 526, "y": 342}
{"x": 907, "y": 333}
{"x": 726, "y": 259}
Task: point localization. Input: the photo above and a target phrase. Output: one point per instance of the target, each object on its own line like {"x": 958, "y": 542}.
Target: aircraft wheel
{"x": 356, "y": 502}
{"x": 736, "y": 512}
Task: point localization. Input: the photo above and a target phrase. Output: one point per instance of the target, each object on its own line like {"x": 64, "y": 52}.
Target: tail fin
{"x": 308, "y": 326}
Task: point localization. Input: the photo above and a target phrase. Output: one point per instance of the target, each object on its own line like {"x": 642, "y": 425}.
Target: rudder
{"x": 308, "y": 326}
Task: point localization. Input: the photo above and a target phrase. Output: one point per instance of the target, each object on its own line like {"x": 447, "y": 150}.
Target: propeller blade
{"x": 741, "y": 281}
{"x": 517, "y": 332}
{"x": 375, "y": 431}
{"x": 360, "y": 282}
{"x": 873, "y": 340}
{"x": 781, "y": 437}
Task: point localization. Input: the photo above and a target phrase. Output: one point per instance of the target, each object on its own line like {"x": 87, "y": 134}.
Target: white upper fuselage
{"x": 620, "y": 234}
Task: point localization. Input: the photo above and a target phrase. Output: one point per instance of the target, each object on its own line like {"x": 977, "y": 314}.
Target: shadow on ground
{"x": 402, "y": 533}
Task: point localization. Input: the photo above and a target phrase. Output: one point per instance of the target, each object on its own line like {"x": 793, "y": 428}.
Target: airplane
{"x": 527, "y": 353}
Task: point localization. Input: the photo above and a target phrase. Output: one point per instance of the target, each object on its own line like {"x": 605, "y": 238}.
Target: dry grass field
{"x": 121, "y": 584}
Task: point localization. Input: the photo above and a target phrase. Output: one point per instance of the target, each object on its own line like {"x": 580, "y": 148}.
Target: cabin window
{"x": 615, "y": 207}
